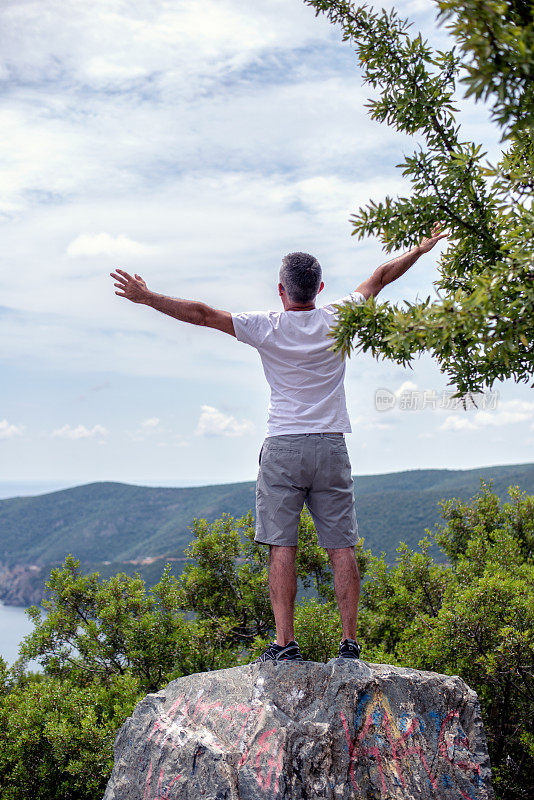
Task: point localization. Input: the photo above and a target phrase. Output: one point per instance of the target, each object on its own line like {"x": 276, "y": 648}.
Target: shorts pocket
{"x": 280, "y": 466}
{"x": 279, "y": 449}
{"x": 340, "y": 452}
{"x": 340, "y": 466}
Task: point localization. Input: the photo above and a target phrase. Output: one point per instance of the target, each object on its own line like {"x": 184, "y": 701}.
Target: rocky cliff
{"x": 344, "y": 730}
{"x": 22, "y": 584}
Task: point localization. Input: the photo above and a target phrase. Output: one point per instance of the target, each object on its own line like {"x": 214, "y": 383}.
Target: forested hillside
{"x": 114, "y": 527}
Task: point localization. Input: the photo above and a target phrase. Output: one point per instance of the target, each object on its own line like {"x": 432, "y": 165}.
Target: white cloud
{"x": 221, "y": 238}
{"x": 8, "y": 430}
{"x": 209, "y": 137}
{"x": 509, "y": 412}
{"x": 150, "y": 424}
{"x": 368, "y": 422}
{"x": 80, "y": 432}
{"x": 114, "y": 45}
{"x": 147, "y": 428}
{"x": 405, "y": 387}
{"x": 213, "y": 422}
{"x": 104, "y": 244}
{"x": 457, "y": 424}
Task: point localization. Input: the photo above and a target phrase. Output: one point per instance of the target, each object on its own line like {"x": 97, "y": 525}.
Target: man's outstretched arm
{"x": 136, "y": 290}
{"x": 393, "y": 269}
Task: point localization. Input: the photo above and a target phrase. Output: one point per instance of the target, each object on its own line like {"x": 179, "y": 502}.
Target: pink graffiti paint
{"x": 235, "y": 715}
{"x": 266, "y": 745}
{"x": 374, "y": 752}
{"x": 159, "y": 795}
{"x": 176, "y": 778}
{"x": 466, "y": 766}
{"x": 208, "y": 708}
{"x": 277, "y": 765}
{"x": 418, "y": 750}
{"x": 263, "y": 748}
{"x": 146, "y": 795}
{"x": 159, "y": 724}
{"x": 159, "y": 782}
{"x": 401, "y": 749}
{"x": 175, "y": 706}
{"x": 464, "y": 795}
{"x": 352, "y": 748}
{"x": 356, "y": 748}
{"x": 265, "y": 755}
{"x": 241, "y": 709}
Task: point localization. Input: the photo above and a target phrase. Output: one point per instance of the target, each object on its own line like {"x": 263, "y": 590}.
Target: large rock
{"x": 343, "y": 730}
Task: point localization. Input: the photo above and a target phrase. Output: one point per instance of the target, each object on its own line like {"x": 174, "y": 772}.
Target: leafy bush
{"x": 473, "y": 617}
{"x": 56, "y": 736}
{"x": 105, "y": 643}
{"x": 317, "y": 630}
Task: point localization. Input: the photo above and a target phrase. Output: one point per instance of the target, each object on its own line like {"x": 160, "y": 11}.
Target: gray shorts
{"x": 311, "y": 468}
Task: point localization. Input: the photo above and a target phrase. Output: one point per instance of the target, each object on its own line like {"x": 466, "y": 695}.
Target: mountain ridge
{"x": 115, "y": 526}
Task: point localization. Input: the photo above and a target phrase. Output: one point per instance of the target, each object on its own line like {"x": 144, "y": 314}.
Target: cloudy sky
{"x": 196, "y": 142}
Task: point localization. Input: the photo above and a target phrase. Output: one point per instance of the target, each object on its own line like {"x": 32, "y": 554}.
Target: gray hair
{"x": 300, "y": 275}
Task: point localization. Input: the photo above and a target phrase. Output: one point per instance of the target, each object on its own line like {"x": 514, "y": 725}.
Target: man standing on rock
{"x": 304, "y": 457}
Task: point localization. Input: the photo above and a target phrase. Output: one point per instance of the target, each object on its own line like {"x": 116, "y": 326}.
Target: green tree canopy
{"x": 497, "y": 40}
{"x": 480, "y": 328}
{"x": 472, "y": 617}
{"x": 105, "y": 643}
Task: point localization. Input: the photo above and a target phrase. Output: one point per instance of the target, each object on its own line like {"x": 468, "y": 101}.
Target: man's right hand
{"x": 134, "y": 289}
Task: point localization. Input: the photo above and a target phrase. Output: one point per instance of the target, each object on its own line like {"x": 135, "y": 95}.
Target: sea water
{"x": 14, "y": 626}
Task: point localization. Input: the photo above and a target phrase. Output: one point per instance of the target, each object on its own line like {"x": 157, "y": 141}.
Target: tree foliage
{"x": 473, "y": 617}
{"x": 56, "y": 735}
{"x": 96, "y": 630}
{"x": 497, "y": 40}
{"x": 480, "y": 327}
{"x": 105, "y": 643}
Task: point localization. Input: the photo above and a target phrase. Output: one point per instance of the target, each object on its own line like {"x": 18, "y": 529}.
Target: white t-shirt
{"x": 305, "y": 376}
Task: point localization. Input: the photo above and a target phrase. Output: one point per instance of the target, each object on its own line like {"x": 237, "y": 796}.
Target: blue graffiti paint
{"x": 469, "y": 792}
{"x": 403, "y": 722}
{"x": 377, "y": 716}
{"x": 437, "y": 719}
{"x": 406, "y": 720}
{"x": 362, "y": 702}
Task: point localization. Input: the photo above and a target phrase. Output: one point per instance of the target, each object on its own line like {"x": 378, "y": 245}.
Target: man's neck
{"x": 296, "y": 307}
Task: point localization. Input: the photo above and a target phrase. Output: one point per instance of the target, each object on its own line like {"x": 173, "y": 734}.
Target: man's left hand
{"x": 436, "y": 234}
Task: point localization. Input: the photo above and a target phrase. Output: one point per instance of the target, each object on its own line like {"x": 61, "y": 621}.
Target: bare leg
{"x": 283, "y": 590}
{"x": 347, "y": 587}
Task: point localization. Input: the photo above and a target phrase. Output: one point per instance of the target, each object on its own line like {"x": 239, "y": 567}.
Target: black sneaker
{"x": 277, "y": 652}
{"x": 349, "y": 648}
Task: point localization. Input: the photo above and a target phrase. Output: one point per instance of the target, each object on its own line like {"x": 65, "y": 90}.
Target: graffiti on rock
{"x": 393, "y": 746}
{"x": 161, "y": 791}
{"x": 223, "y": 727}
{"x": 393, "y": 750}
